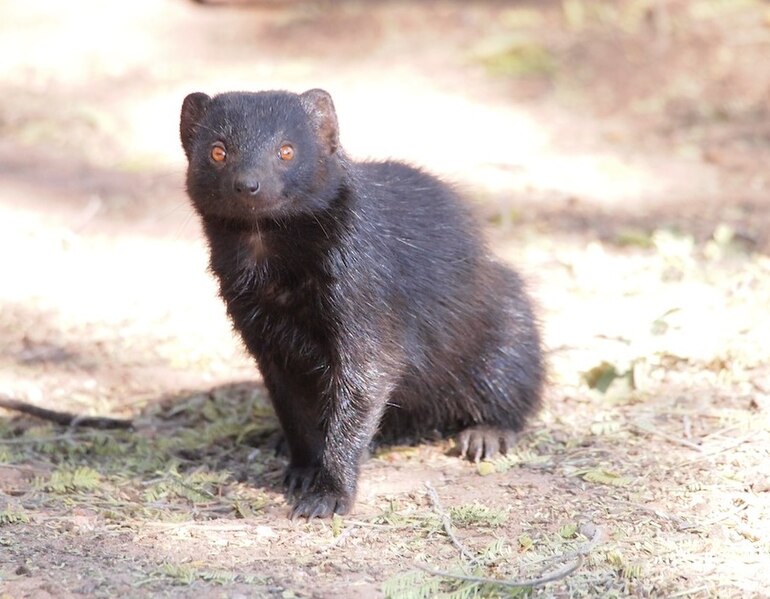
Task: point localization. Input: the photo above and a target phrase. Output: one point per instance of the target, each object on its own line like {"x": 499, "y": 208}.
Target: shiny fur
{"x": 362, "y": 289}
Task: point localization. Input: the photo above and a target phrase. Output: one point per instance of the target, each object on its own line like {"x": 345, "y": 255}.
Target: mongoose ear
{"x": 319, "y": 106}
{"x": 193, "y": 109}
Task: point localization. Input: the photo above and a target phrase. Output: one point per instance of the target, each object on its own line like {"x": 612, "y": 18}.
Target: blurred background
{"x": 617, "y": 151}
{"x": 621, "y": 124}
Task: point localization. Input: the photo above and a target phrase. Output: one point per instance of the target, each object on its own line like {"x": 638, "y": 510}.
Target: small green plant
{"x": 187, "y": 574}
{"x": 411, "y": 585}
{"x": 197, "y": 487}
{"x": 605, "y": 477}
{"x": 568, "y": 531}
{"x": 338, "y": 525}
{"x": 475, "y": 514}
{"x": 181, "y": 574}
{"x": 627, "y": 569}
{"x": 66, "y": 480}
{"x": 13, "y": 516}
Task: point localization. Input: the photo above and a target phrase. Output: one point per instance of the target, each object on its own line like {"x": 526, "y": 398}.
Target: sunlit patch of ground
{"x": 618, "y": 154}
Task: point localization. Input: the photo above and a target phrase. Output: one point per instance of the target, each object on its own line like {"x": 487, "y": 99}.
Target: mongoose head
{"x": 265, "y": 155}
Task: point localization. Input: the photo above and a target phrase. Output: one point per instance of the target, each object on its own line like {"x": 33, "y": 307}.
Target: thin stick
{"x": 716, "y": 519}
{"x": 715, "y": 452}
{"x": 667, "y": 437}
{"x": 532, "y": 582}
{"x": 51, "y": 439}
{"x": 576, "y": 558}
{"x": 446, "y": 521}
{"x": 63, "y": 418}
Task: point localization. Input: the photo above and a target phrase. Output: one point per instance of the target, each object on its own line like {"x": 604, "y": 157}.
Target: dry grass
{"x": 619, "y": 151}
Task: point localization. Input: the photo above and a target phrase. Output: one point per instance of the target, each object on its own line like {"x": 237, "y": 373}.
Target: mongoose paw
{"x": 298, "y": 480}
{"x": 485, "y": 442}
{"x": 278, "y": 443}
{"x": 321, "y": 504}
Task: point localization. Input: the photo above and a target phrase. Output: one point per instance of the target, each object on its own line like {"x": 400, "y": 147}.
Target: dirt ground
{"x": 618, "y": 153}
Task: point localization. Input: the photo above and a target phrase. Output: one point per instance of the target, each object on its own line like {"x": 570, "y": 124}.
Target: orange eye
{"x": 286, "y": 152}
{"x": 218, "y": 153}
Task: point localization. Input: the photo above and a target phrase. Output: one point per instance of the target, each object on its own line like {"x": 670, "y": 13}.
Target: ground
{"x": 617, "y": 152}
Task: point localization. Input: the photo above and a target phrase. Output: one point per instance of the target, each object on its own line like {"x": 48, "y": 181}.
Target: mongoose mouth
{"x": 241, "y": 214}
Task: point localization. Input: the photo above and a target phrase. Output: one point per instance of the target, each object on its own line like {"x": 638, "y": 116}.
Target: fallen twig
{"x": 728, "y": 447}
{"x": 69, "y": 436}
{"x": 574, "y": 558}
{"x": 446, "y": 521}
{"x": 594, "y": 534}
{"x": 532, "y": 582}
{"x": 653, "y": 431}
{"x": 714, "y": 520}
{"x": 64, "y": 418}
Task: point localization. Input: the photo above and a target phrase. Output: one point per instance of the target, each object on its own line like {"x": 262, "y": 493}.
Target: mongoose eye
{"x": 218, "y": 152}
{"x": 286, "y": 152}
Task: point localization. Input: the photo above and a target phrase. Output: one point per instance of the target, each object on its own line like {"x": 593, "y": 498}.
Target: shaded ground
{"x": 618, "y": 151}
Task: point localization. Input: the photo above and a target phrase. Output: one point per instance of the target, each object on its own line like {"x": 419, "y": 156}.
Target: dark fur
{"x": 363, "y": 290}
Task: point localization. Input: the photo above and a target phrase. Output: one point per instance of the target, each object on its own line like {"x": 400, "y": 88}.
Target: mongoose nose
{"x": 246, "y": 185}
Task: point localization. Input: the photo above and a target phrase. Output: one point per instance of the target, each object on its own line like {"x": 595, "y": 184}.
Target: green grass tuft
{"x": 13, "y": 516}
{"x": 477, "y": 515}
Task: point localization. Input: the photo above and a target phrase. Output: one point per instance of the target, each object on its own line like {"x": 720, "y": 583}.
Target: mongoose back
{"x": 363, "y": 290}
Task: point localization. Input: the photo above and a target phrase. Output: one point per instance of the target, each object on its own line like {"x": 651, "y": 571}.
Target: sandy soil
{"x": 617, "y": 152}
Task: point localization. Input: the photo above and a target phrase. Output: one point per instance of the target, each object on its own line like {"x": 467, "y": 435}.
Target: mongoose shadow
{"x": 363, "y": 290}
